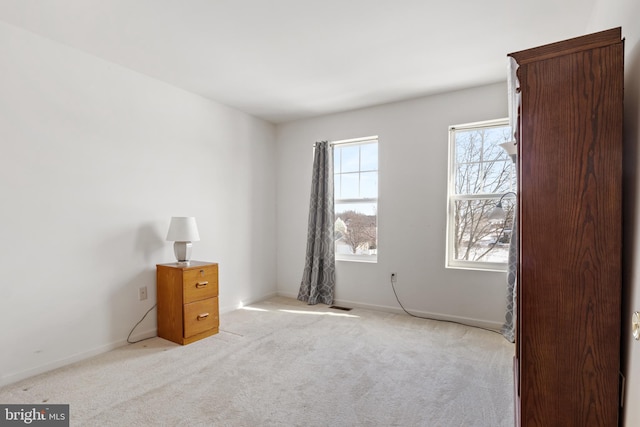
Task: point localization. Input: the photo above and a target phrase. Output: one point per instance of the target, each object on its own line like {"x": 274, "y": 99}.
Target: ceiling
{"x": 283, "y": 60}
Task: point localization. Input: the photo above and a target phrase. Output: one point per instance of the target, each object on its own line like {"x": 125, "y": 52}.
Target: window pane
{"x": 468, "y": 178}
{"x": 467, "y": 146}
{"x": 497, "y": 176}
{"x": 485, "y": 166}
{"x": 369, "y": 185}
{"x": 365, "y": 208}
{"x": 356, "y": 228}
{"x": 350, "y": 159}
{"x": 336, "y": 160}
{"x": 350, "y": 186}
{"x": 369, "y": 157}
{"x": 493, "y": 151}
{"x": 477, "y": 239}
{"x": 493, "y": 137}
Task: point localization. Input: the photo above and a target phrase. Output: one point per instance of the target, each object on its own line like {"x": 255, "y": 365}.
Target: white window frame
{"x": 370, "y": 258}
{"x": 452, "y": 197}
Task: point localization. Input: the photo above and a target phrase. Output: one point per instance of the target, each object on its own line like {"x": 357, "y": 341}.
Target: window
{"x": 481, "y": 173}
{"x": 355, "y": 165}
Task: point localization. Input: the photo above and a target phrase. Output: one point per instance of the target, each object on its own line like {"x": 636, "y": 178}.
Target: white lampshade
{"x": 497, "y": 214}
{"x": 183, "y": 229}
{"x": 510, "y": 148}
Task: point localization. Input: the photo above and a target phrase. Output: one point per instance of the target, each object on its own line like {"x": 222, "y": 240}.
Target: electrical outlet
{"x": 394, "y": 277}
{"x": 142, "y": 293}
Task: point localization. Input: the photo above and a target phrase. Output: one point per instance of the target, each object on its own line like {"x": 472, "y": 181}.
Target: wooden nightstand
{"x": 187, "y": 301}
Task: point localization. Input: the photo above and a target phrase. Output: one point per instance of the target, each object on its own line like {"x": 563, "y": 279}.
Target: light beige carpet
{"x": 281, "y": 362}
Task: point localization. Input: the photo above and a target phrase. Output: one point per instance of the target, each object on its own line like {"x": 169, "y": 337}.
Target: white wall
{"x": 94, "y": 161}
{"x": 412, "y": 207}
{"x": 626, "y": 13}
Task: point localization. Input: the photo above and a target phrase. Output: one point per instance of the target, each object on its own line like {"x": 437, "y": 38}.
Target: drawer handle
{"x": 202, "y": 316}
{"x": 201, "y": 284}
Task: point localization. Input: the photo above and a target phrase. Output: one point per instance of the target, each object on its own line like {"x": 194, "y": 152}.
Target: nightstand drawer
{"x": 200, "y": 283}
{"x": 200, "y": 316}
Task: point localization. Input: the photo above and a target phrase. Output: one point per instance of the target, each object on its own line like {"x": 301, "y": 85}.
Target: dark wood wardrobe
{"x": 569, "y": 138}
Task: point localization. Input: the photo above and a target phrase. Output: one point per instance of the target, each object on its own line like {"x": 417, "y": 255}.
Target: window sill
{"x": 493, "y": 268}
{"x": 369, "y": 259}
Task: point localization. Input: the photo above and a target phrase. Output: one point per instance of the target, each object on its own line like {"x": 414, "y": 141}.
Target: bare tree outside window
{"x": 481, "y": 172}
{"x": 357, "y": 230}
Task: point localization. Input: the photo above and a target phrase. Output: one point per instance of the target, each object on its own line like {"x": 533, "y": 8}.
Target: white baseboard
{"x": 228, "y": 308}
{"x": 18, "y": 376}
{"x": 287, "y": 295}
{"x": 469, "y": 321}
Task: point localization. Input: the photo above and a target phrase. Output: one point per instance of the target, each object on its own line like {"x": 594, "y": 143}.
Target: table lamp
{"x": 182, "y": 231}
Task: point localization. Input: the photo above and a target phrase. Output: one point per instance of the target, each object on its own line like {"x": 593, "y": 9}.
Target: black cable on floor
{"x": 136, "y": 325}
{"x": 439, "y": 320}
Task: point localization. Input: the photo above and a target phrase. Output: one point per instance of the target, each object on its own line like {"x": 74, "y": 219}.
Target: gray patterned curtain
{"x": 319, "y": 277}
{"x": 508, "y": 329}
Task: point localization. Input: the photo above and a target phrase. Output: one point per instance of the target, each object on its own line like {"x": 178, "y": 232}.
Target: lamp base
{"x": 182, "y": 250}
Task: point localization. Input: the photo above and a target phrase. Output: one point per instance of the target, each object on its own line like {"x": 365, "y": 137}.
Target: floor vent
{"x": 337, "y": 307}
